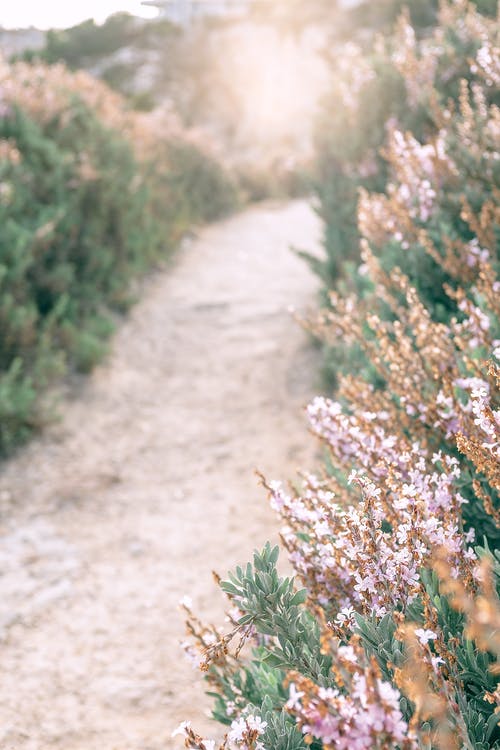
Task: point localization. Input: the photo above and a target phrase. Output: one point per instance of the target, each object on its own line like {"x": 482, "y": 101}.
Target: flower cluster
{"x": 487, "y": 59}
{"x": 243, "y": 735}
{"x": 365, "y": 717}
{"x": 367, "y": 556}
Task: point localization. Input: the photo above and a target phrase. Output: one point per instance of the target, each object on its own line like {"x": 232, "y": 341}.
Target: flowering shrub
{"x": 392, "y": 641}
{"x": 412, "y": 82}
{"x": 90, "y": 196}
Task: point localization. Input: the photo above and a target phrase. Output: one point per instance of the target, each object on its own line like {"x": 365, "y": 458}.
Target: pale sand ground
{"x": 147, "y": 484}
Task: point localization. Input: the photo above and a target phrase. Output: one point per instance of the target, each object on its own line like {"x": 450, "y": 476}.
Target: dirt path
{"x": 146, "y": 485}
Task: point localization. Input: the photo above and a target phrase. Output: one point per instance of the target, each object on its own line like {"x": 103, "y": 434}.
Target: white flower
{"x": 470, "y": 536}
{"x": 480, "y": 392}
{"x": 352, "y": 476}
{"x": 345, "y": 616}
{"x": 424, "y": 636}
{"x": 295, "y": 695}
{"x": 182, "y": 728}
{"x": 186, "y": 601}
{"x": 241, "y": 727}
{"x": 238, "y": 730}
{"x": 347, "y": 653}
{"x": 256, "y": 723}
{"x": 436, "y": 661}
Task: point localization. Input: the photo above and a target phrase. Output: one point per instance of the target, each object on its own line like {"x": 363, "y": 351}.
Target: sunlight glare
{"x": 277, "y": 80}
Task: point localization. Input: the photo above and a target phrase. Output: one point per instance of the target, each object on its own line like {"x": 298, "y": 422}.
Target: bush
{"x": 198, "y": 185}
{"x": 401, "y": 85}
{"x": 391, "y": 641}
{"x": 84, "y": 209}
{"x": 390, "y": 85}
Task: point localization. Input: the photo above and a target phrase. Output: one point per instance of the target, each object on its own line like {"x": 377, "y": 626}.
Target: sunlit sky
{"x": 46, "y": 14}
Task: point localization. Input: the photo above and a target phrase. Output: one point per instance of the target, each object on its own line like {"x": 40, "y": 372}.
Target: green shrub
{"x": 81, "y": 216}
{"x": 199, "y": 187}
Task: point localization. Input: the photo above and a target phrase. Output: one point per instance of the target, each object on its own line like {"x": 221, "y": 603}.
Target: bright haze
{"x": 47, "y": 14}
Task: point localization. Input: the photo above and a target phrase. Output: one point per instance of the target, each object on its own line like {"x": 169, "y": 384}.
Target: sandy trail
{"x": 146, "y": 485}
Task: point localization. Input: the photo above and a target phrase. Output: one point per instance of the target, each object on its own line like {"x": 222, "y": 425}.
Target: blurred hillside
{"x": 221, "y": 77}
{"x": 18, "y": 41}
{"x": 152, "y": 61}
{"x": 126, "y": 52}
{"x": 250, "y": 86}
